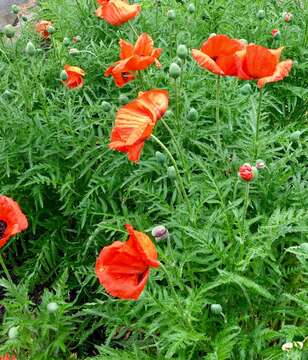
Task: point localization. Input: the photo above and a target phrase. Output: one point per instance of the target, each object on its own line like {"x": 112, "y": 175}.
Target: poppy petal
{"x": 126, "y": 49}
{"x": 282, "y": 70}
{"x": 221, "y": 45}
{"x": 259, "y": 62}
{"x": 206, "y": 62}
{"x": 144, "y": 45}
{"x": 118, "y": 12}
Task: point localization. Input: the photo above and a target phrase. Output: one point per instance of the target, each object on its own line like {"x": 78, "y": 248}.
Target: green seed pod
{"x": 30, "y": 49}
{"x": 171, "y": 14}
{"x": 175, "y": 71}
{"x": 15, "y": 9}
{"x": 9, "y": 31}
{"x": 66, "y": 41}
{"x": 171, "y": 172}
{"x": 192, "y": 114}
{"x": 160, "y": 157}
{"x": 216, "y": 309}
{"x": 51, "y": 30}
{"x": 106, "y": 106}
{"x": 245, "y": 89}
{"x": 182, "y": 51}
{"x": 191, "y": 8}
{"x": 13, "y": 332}
{"x": 24, "y": 18}
{"x": 261, "y": 14}
{"x": 63, "y": 75}
{"x": 123, "y": 99}
{"x": 52, "y": 307}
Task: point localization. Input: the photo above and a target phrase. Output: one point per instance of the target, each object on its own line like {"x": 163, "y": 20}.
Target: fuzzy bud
{"x": 216, "y": 309}
{"x": 123, "y": 99}
{"x": 287, "y": 16}
{"x": 182, "y": 51}
{"x": 7, "y": 94}
{"x": 287, "y": 346}
{"x": 66, "y": 41}
{"x": 52, "y": 307}
{"x": 260, "y": 164}
{"x": 9, "y": 31}
{"x": 245, "y": 89}
{"x": 15, "y": 9}
{"x": 160, "y": 157}
{"x": 175, "y": 71}
{"x": 30, "y": 49}
{"x": 192, "y": 114}
{"x": 261, "y": 14}
{"x": 247, "y": 172}
{"x": 171, "y": 14}
{"x": 51, "y": 30}
{"x": 171, "y": 172}
{"x": 276, "y": 34}
{"x": 160, "y": 232}
{"x": 13, "y": 332}
{"x": 106, "y": 106}
{"x": 191, "y": 8}
{"x": 24, "y": 18}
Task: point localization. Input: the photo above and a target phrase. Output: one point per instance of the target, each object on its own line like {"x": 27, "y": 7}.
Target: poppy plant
{"x": 123, "y": 268}
{"x": 217, "y": 55}
{"x": 135, "y": 121}
{"x": 42, "y": 28}
{"x": 117, "y": 12}
{"x": 133, "y": 58}
{"x": 259, "y": 63}
{"x": 74, "y": 77}
{"x": 12, "y": 219}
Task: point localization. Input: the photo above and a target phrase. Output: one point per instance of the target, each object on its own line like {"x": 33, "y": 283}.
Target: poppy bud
{"x": 52, "y": 307}
{"x": 247, "y": 172}
{"x": 30, "y": 49}
{"x": 9, "y": 31}
{"x": 123, "y": 99}
{"x": 106, "y": 106}
{"x": 160, "y": 232}
{"x": 287, "y": 346}
{"x": 24, "y": 18}
{"x": 171, "y": 14}
{"x": 51, "y": 30}
{"x": 13, "y": 332}
{"x": 74, "y": 51}
{"x": 191, "y": 8}
{"x": 66, "y": 41}
{"x": 245, "y": 89}
{"x": 192, "y": 114}
{"x": 260, "y": 164}
{"x": 276, "y": 34}
{"x": 216, "y": 309}
{"x": 261, "y": 14}
{"x": 76, "y": 39}
{"x": 295, "y": 135}
{"x": 160, "y": 157}
{"x": 287, "y": 16}
{"x": 182, "y": 51}
{"x": 63, "y": 75}
{"x": 171, "y": 172}
{"x": 174, "y": 71}
{"x": 15, "y": 9}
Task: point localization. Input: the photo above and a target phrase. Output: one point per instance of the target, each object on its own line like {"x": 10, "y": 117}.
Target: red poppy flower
{"x": 74, "y": 77}
{"x": 8, "y": 357}
{"x": 12, "y": 220}
{"x": 135, "y": 121}
{"x": 217, "y": 55}
{"x": 133, "y": 58}
{"x": 117, "y": 12}
{"x": 247, "y": 172}
{"x": 42, "y": 28}
{"x": 259, "y": 63}
{"x": 123, "y": 268}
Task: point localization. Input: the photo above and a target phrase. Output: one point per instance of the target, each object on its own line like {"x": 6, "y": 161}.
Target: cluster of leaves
{"x": 78, "y": 194}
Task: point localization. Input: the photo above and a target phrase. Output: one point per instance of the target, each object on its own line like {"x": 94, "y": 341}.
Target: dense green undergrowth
{"x": 78, "y": 194}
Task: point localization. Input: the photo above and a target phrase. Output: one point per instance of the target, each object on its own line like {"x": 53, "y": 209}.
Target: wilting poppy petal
{"x": 282, "y": 70}
{"x": 12, "y": 219}
{"x": 144, "y": 45}
{"x": 123, "y": 268}
{"x": 118, "y": 12}
{"x": 206, "y": 62}
{"x": 42, "y": 28}
{"x": 74, "y": 77}
{"x": 135, "y": 122}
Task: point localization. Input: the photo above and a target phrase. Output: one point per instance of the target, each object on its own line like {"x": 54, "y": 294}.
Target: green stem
{"x": 256, "y": 145}
{"x": 246, "y": 199}
{"x": 133, "y": 29}
{"x": 217, "y": 109}
{"x": 180, "y": 182}
{"x": 177, "y": 105}
{"x": 5, "y": 270}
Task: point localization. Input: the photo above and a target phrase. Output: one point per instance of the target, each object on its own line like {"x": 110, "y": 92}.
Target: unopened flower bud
{"x": 74, "y": 51}
{"x": 9, "y": 31}
{"x": 51, "y": 30}
{"x": 63, "y": 75}
{"x": 13, "y": 332}
{"x": 15, "y": 9}
{"x": 174, "y": 70}
{"x": 287, "y": 16}
{"x": 182, "y": 51}
{"x": 30, "y": 49}
{"x": 66, "y": 41}
{"x": 192, "y": 114}
{"x": 287, "y": 346}
{"x": 191, "y": 8}
{"x": 276, "y": 34}
{"x": 123, "y": 99}
{"x": 171, "y": 172}
{"x": 52, "y": 307}
{"x": 216, "y": 309}
{"x": 160, "y": 157}
{"x": 261, "y": 14}
{"x": 247, "y": 172}
{"x": 106, "y": 106}
{"x": 245, "y": 89}
{"x": 260, "y": 164}
{"x": 24, "y": 18}
{"x": 171, "y": 14}
{"x": 76, "y": 39}
{"x": 160, "y": 232}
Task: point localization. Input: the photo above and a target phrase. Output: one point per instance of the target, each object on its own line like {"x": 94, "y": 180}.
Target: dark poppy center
{"x": 140, "y": 277}
{"x": 3, "y": 226}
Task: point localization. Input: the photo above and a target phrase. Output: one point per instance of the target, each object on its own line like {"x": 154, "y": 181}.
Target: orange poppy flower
{"x": 259, "y": 63}
{"x": 8, "y": 357}
{"x": 135, "y": 121}
{"x": 217, "y": 55}
{"x": 123, "y": 268}
{"x": 42, "y": 28}
{"x": 12, "y": 219}
{"x": 133, "y": 58}
{"x": 117, "y": 12}
{"x": 74, "y": 77}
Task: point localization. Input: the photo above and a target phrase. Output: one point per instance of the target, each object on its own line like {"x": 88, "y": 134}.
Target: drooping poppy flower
{"x": 12, "y": 219}
{"x": 74, "y": 77}
{"x": 259, "y": 63}
{"x": 42, "y": 28}
{"x": 123, "y": 268}
{"x": 217, "y": 55}
{"x": 133, "y": 58}
{"x": 135, "y": 121}
{"x": 8, "y": 357}
{"x": 117, "y": 12}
